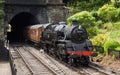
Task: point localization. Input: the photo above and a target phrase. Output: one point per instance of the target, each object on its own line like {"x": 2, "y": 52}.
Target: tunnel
{"x": 18, "y": 23}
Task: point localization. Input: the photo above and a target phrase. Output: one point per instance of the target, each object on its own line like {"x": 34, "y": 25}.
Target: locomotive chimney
{"x": 74, "y": 22}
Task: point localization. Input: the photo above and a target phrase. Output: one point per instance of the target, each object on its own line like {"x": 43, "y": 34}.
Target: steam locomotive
{"x": 68, "y": 43}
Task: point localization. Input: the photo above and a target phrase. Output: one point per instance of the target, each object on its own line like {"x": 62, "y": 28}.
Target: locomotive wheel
{"x": 61, "y": 52}
{"x": 46, "y": 49}
{"x": 71, "y": 61}
{"x": 85, "y": 61}
{"x": 85, "y": 64}
{"x": 60, "y": 57}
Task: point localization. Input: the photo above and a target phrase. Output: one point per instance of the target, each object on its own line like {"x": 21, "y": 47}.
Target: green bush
{"x": 115, "y": 34}
{"x": 100, "y": 39}
{"x": 108, "y": 13}
{"x": 112, "y": 44}
{"x": 118, "y": 14}
{"x": 1, "y": 5}
{"x": 116, "y": 3}
{"x": 84, "y": 18}
{"x": 118, "y": 48}
{"x": 83, "y": 6}
{"x": 89, "y": 5}
{"x": 116, "y": 25}
{"x": 108, "y": 26}
{"x": 92, "y": 31}
{"x": 1, "y": 14}
{"x": 95, "y": 14}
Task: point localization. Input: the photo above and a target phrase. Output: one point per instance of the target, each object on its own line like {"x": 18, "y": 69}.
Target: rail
{"x": 27, "y": 65}
{"x": 100, "y": 69}
{"x": 13, "y": 68}
{"x": 60, "y": 69}
{"x": 57, "y": 72}
{"x": 31, "y": 65}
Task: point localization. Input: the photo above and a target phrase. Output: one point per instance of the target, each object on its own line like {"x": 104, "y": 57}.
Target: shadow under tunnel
{"x": 18, "y": 23}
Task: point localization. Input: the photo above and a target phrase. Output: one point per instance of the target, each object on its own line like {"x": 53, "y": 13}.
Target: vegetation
{"x": 84, "y": 18}
{"x": 1, "y": 18}
{"x": 111, "y": 44}
{"x": 102, "y": 20}
{"x": 100, "y": 39}
{"x": 86, "y": 5}
{"x": 109, "y": 13}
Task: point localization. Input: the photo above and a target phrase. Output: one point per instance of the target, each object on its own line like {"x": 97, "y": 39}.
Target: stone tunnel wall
{"x": 44, "y": 10}
{"x": 26, "y": 2}
{"x": 37, "y": 11}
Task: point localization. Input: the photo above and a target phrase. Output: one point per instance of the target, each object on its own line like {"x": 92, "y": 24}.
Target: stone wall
{"x": 54, "y": 1}
{"x": 26, "y": 1}
{"x": 42, "y": 2}
{"x": 44, "y": 10}
{"x": 12, "y": 10}
{"x": 56, "y": 14}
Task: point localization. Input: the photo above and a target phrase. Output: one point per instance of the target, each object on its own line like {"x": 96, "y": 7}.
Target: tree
{"x": 108, "y": 13}
{"x": 84, "y": 18}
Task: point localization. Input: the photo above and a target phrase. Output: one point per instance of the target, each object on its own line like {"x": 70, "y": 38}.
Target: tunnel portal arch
{"x": 25, "y": 12}
{"x": 18, "y": 23}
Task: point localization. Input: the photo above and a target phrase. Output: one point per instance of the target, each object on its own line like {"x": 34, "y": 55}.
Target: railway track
{"x": 92, "y": 69}
{"x": 35, "y": 57}
{"x": 49, "y": 62}
{"x": 35, "y": 66}
{"x": 62, "y": 65}
{"x": 89, "y": 70}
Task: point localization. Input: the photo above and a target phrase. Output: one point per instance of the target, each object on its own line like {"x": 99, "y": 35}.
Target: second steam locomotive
{"x": 68, "y": 43}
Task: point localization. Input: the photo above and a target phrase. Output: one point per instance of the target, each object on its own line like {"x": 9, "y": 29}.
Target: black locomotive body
{"x": 68, "y": 43}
